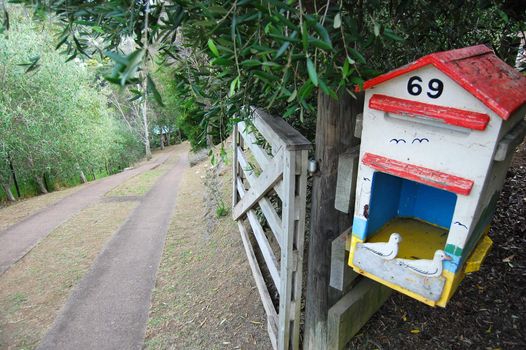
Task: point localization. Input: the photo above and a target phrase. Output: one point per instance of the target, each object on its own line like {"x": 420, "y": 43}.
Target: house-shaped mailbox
{"x": 438, "y": 136}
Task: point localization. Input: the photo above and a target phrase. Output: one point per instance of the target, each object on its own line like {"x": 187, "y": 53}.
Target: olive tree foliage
{"x": 277, "y": 54}
{"x": 54, "y": 120}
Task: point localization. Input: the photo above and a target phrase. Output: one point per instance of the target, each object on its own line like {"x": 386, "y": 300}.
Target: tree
{"x": 54, "y": 122}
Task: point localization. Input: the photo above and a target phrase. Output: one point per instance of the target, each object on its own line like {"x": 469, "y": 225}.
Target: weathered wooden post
{"x": 334, "y": 135}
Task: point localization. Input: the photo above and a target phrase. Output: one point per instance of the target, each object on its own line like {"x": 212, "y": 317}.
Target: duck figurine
{"x": 385, "y": 250}
{"x": 426, "y": 267}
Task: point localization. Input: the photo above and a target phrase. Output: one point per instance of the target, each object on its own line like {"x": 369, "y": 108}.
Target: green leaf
{"x": 286, "y": 45}
{"x": 233, "y": 86}
{"x": 213, "y": 48}
{"x": 320, "y": 44}
{"x": 233, "y": 28}
{"x": 376, "y": 29}
{"x": 290, "y": 111}
{"x": 305, "y": 36}
{"x": 388, "y": 33}
{"x": 345, "y": 68}
{"x": 503, "y": 16}
{"x": 323, "y": 34}
{"x": 312, "y": 72}
{"x": 251, "y": 63}
{"x": 357, "y": 56}
{"x": 221, "y": 61}
{"x": 337, "y": 21}
{"x": 150, "y": 86}
{"x": 292, "y": 96}
{"x": 327, "y": 90}
{"x": 358, "y": 81}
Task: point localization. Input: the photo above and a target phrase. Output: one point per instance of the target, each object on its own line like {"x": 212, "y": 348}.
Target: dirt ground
{"x": 33, "y": 290}
{"x": 205, "y": 296}
{"x": 488, "y": 311}
{"x": 10, "y": 214}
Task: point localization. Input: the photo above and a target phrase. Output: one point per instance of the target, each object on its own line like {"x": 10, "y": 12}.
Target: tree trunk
{"x": 9, "y": 194}
{"x": 82, "y": 177}
{"x": 14, "y": 176}
{"x": 147, "y": 148}
{"x": 41, "y": 185}
{"x": 334, "y": 135}
{"x": 209, "y": 138}
{"x": 167, "y": 138}
{"x": 161, "y": 140}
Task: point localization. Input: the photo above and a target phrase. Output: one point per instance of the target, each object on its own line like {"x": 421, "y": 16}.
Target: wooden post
{"x": 334, "y": 135}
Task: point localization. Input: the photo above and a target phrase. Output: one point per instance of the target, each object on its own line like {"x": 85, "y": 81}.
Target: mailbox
{"x": 438, "y": 137}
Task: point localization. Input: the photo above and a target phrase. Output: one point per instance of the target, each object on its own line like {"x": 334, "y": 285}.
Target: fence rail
{"x": 269, "y": 205}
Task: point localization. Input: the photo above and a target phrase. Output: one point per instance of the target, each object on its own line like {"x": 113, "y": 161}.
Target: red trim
{"x": 478, "y": 70}
{"x": 452, "y": 116}
{"x": 420, "y": 174}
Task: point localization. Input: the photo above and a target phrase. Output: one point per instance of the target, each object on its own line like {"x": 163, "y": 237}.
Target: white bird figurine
{"x": 426, "y": 267}
{"x": 385, "y": 250}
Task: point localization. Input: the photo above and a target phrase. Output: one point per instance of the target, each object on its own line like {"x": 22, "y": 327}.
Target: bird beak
{"x": 447, "y": 257}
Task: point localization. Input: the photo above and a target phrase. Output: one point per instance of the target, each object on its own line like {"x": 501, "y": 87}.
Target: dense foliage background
{"x": 203, "y": 62}
{"x": 55, "y": 120}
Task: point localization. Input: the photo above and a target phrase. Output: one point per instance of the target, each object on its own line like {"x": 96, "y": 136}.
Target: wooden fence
{"x": 269, "y": 195}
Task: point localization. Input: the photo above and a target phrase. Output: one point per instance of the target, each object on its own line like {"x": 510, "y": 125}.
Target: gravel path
{"x": 109, "y": 307}
{"x": 17, "y": 240}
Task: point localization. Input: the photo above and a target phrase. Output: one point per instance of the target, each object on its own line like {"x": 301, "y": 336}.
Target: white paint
{"x": 453, "y": 150}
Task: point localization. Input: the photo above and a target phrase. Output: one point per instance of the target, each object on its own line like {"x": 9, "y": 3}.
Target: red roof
{"x": 478, "y": 70}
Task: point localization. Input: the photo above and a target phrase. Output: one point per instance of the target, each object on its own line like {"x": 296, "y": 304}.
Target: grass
{"x": 138, "y": 185}
{"x": 204, "y": 297}
{"x": 35, "y": 288}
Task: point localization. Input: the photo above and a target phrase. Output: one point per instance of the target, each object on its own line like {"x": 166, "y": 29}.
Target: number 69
{"x": 435, "y": 86}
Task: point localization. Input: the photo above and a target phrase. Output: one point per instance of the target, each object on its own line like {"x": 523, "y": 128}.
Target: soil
{"x": 488, "y": 311}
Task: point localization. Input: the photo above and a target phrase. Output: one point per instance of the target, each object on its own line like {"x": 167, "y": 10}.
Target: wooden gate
{"x": 269, "y": 196}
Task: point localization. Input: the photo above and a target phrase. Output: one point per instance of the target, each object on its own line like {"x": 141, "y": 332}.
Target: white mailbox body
{"x": 438, "y": 137}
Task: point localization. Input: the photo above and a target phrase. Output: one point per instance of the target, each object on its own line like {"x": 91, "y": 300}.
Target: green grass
{"x": 138, "y": 185}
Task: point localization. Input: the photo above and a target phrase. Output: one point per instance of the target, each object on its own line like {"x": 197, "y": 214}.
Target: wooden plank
{"x": 272, "y": 333}
{"x": 341, "y": 274}
{"x": 245, "y": 166}
{"x": 352, "y": 311}
{"x": 427, "y": 176}
{"x": 266, "y": 207}
{"x": 511, "y": 140}
{"x": 263, "y": 242}
{"x": 240, "y": 187}
{"x": 266, "y": 249}
{"x": 299, "y": 240}
{"x": 346, "y": 180}
{"x": 250, "y": 140}
{"x": 264, "y": 183}
{"x": 258, "y": 277}
{"x": 235, "y": 166}
{"x": 334, "y": 135}
{"x": 273, "y": 219}
{"x": 251, "y": 176}
{"x": 278, "y": 132}
{"x": 288, "y": 222}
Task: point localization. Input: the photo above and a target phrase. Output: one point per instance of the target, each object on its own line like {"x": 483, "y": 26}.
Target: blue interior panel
{"x": 393, "y": 196}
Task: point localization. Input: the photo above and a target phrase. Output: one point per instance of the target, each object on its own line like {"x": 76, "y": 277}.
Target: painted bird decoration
{"x": 385, "y": 250}
{"x": 426, "y": 267}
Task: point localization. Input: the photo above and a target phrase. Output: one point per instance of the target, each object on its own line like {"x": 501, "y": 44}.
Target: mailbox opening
{"x": 420, "y": 213}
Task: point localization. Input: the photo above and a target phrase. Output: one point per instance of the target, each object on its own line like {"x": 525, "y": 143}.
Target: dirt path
{"x": 17, "y": 240}
{"x": 109, "y": 307}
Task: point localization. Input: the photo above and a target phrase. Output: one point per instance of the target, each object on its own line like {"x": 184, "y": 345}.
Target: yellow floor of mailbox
{"x": 420, "y": 239}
